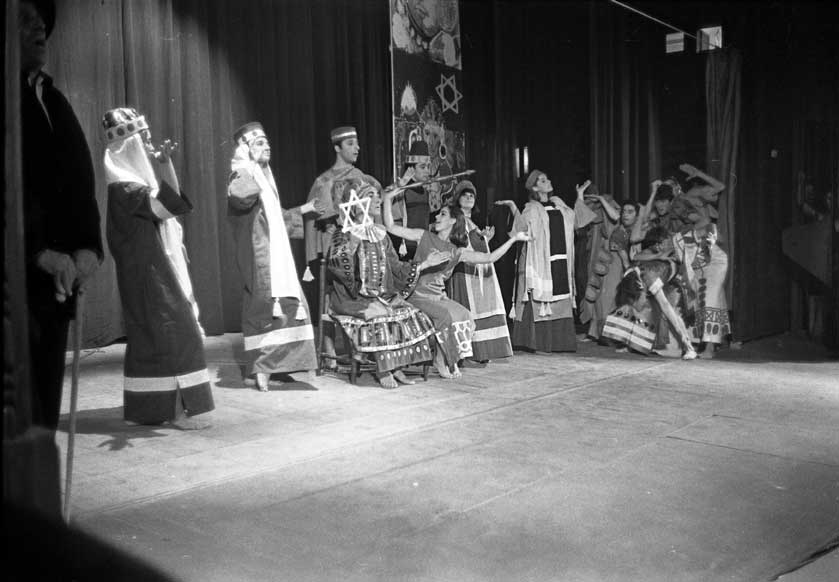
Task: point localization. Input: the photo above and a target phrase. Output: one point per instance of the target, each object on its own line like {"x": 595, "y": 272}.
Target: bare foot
{"x": 401, "y": 377}
{"x": 623, "y": 350}
{"x": 457, "y": 373}
{"x": 190, "y": 423}
{"x": 442, "y": 368}
{"x": 262, "y": 382}
{"x": 387, "y": 381}
{"x": 690, "y": 354}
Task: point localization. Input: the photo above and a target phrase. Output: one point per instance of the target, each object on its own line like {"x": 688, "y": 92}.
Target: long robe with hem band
{"x": 165, "y": 370}
{"x": 545, "y": 294}
{"x": 476, "y": 288}
{"x": 272, "y": 345}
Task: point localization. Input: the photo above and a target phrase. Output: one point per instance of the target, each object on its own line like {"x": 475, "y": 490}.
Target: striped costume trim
{"x": 278, "y": 337}
{"x": 166, "y": 383}
{"x": 159, "y": 209}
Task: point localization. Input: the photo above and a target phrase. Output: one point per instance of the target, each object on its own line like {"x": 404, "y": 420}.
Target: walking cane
{"x": 74, "y": 398}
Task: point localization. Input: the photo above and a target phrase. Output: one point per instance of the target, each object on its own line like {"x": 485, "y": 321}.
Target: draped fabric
{"x": 722, "y": 94}
{"x": 198, "y": 70}
{"x": 625, "y": 135}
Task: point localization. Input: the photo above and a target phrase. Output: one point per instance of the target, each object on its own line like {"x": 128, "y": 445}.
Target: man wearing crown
{"x": 166, "y": 376}
{"x": 62, "y": 240}
{"x": 276, "y": 322}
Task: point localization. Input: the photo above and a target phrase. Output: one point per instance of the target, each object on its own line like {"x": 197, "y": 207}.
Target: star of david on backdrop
{"x": 450, "y": 102}
{"x": 348, "y": 224}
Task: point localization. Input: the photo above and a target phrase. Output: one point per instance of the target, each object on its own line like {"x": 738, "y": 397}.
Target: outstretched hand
{"x": 523, "y": 236}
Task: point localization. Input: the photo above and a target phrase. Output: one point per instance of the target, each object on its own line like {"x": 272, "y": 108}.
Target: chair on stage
{"x": 346, "y": 359}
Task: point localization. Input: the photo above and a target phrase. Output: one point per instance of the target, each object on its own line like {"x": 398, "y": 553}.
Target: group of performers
{"x": 409, "y": 280}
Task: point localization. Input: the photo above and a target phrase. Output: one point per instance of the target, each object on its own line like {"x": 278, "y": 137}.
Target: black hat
{"x": 418, "y": 153}
{"x": 46, "y": 9}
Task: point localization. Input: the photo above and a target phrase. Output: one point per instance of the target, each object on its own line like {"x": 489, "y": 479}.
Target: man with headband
{"x": 276, "y": 322}
{"x": 166, "y": 376}
{"x": 319, "y": 230}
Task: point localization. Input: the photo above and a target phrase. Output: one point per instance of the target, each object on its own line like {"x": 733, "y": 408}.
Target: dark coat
{"x": 60, "y": 210}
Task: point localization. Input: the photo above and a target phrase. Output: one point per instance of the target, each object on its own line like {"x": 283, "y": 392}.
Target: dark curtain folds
{"x": 200, "y": 69}
{"x": 625, "y": 133}
{"x": 722, "y": 96}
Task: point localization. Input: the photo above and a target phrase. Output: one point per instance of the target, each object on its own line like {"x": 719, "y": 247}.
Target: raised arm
{"x": 413, "y": 234}
{"x": 476, "y": 258}
{"x": 639, "y": 229}
{"x": 712, "y": 183}
{"x": 610, "y": 210}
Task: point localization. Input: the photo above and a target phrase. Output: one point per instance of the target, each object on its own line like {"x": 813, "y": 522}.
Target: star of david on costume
{"x": 449, "y": 103}
{"x": 463, "y": 335}
{"x": 348, "y": 224}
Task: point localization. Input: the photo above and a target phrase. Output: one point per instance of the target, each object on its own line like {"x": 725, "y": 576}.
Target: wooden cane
{"x": 74, "y": 398}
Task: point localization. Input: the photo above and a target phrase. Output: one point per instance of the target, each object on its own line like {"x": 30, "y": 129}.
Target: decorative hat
{"x": 46, "y": 9}
{"x": 122, "y": 122}
{"x": 461, "y": 186}
{"x": 531, "y": 179}
{"x": 418, "y": 153}
{"x": 341, "y": 188}
{"x": 248, "y": 132}
{"x": 339, "y": 134}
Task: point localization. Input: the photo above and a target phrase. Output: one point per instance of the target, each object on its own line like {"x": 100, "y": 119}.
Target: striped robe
{"x": 165, "y": 371}
{"x": 476, "y": 288}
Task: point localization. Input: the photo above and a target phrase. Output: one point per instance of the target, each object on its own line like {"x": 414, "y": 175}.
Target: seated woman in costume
{"x": 369, "y": 284}
{"x": 648, "y": 291}
{"x": 453, "y": 323}
{"x": 476, "y": 286}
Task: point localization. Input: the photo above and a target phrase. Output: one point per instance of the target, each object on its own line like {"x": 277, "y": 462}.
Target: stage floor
{"x": 593, "y": 466}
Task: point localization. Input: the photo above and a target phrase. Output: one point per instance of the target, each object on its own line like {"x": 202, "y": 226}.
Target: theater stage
{"x": 589, "y": 467}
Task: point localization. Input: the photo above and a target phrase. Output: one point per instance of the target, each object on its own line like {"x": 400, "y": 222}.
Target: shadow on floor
{"x": 109, "y": 422}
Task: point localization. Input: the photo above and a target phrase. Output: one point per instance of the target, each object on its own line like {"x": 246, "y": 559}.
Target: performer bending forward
{"x": 452, "y": 321}
{"x": 369, "y": 284}
{"x": 275, "y": 316}
{"x": 165, "y": 372}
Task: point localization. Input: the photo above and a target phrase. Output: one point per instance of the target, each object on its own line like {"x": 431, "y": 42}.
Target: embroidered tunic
{"x": 368, "y": 286}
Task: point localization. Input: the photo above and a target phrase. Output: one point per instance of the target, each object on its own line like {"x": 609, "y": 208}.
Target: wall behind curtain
{"x": 200, "y": 69}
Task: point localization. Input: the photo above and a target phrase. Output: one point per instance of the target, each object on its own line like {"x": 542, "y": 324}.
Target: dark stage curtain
{"x": 200, "y": 69}
{"x": 625, "y": 133}
{"x": 722, "y": 78}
